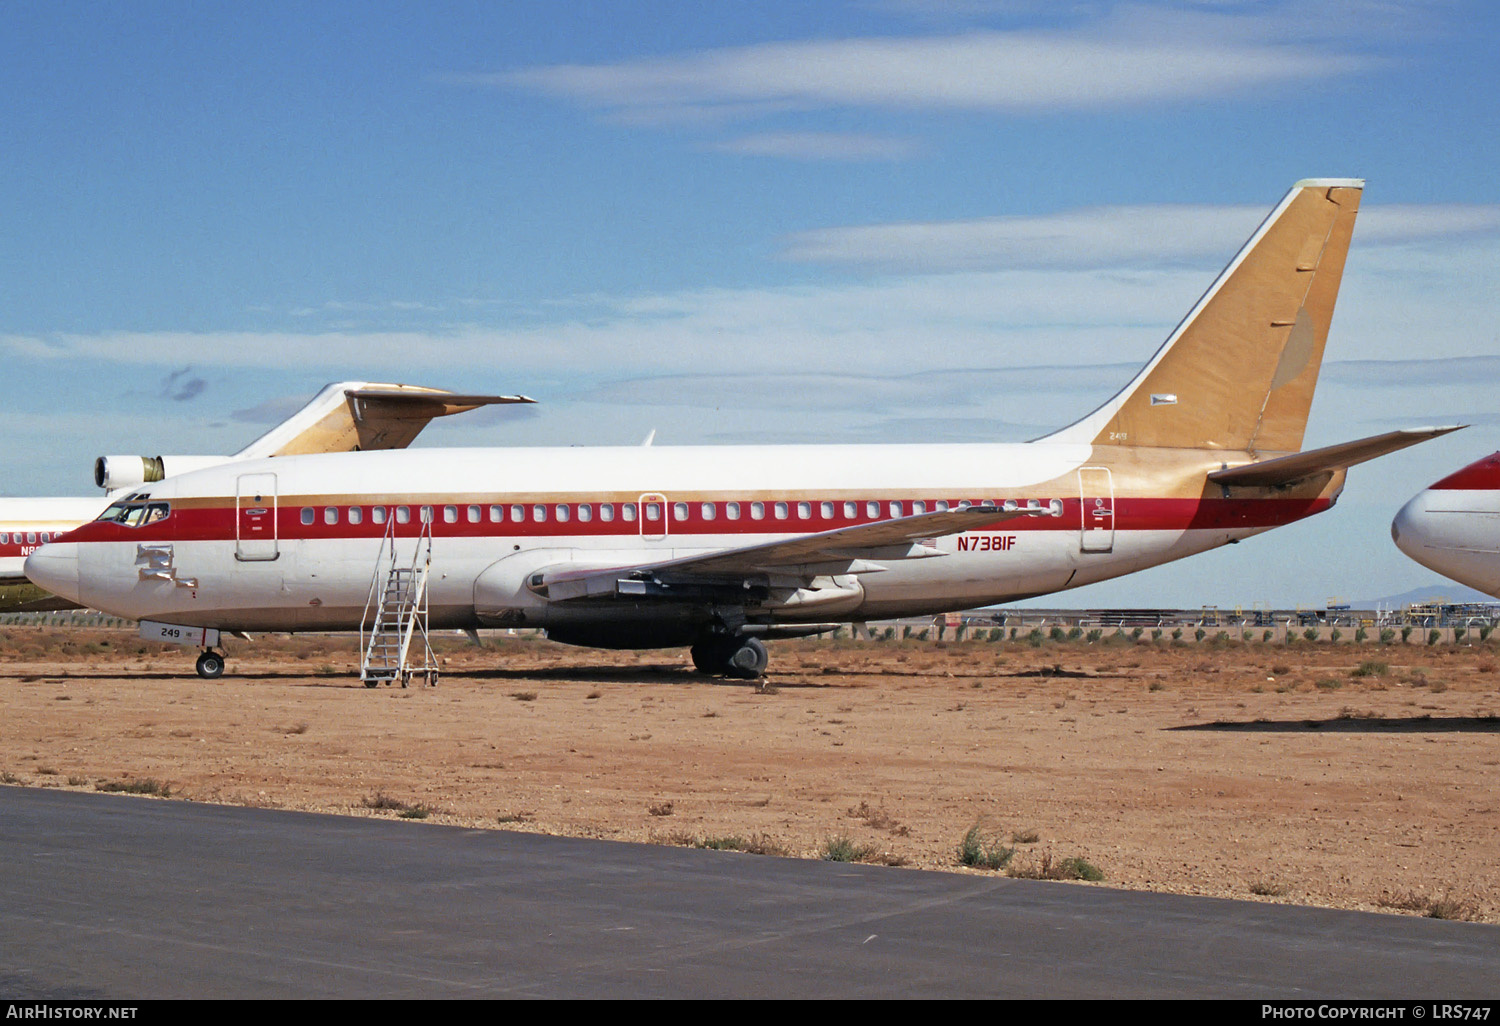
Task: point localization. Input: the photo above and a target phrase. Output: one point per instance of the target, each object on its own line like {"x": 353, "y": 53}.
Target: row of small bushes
{"x": 1037, "y": 636}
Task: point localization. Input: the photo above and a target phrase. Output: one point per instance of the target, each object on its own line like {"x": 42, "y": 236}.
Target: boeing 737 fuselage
{"x": 719, "y": 547}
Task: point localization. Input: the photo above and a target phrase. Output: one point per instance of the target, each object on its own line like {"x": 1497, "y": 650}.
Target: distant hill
{"x": 1446, "y": 591}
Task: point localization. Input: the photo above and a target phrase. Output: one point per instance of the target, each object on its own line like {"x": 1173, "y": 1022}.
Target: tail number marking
{"x": 986, "y": 542}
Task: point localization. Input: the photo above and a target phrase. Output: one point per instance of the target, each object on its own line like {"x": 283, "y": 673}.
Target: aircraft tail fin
{"x": 1238, "y": 373}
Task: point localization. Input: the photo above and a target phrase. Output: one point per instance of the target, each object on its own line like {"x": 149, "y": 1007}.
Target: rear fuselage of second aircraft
{"x": 292, "y": 543}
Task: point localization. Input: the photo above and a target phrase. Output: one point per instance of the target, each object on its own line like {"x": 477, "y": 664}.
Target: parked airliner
{"x": 343, "y": 416}
{"x": 719, "y": 547}
{"x": 1454, "y": 526}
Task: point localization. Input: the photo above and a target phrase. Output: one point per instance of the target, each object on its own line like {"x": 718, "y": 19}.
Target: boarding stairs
{"x": 393, "y": 633}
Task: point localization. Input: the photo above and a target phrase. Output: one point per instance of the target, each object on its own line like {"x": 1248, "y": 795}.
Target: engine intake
{"x": 115, "y": 472}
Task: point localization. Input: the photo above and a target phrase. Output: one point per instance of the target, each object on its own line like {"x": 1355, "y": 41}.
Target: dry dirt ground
{"x": 1271, "y": 772}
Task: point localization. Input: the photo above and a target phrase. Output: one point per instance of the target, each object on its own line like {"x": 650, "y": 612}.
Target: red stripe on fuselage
{"x": 218, "y": 523}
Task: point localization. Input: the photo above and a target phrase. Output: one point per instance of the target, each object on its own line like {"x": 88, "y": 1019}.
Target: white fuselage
{"x": 292, "y": 543}
{"x": 1454, "y": 526}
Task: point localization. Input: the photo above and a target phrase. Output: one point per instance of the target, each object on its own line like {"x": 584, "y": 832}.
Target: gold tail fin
{"x": 1238, "y": 373}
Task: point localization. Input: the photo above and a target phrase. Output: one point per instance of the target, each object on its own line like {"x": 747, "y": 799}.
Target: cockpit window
{"x": 136, "y": 514}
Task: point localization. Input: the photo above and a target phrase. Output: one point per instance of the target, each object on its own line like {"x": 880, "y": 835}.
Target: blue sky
{"x": 735, "y": 222}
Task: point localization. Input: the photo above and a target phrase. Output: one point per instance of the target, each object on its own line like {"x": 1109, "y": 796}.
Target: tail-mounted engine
{"x": 114, "y": 472}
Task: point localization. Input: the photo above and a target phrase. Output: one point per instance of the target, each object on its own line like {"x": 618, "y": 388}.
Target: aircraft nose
{"x": 55, "y": 567}
{"x": 1409, "y": 528}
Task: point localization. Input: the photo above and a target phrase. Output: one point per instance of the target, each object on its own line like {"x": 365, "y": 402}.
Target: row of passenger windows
{"x": 28, "y": 537}
{"x": 585, "y": 512}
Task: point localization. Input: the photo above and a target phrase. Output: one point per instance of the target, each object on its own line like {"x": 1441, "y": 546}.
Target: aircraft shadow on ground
{"x": 677, "y": 675}
{"x": 1358, "y": 725}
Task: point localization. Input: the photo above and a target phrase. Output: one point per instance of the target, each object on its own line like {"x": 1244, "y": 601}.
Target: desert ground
{"x": 1352, "y": 776}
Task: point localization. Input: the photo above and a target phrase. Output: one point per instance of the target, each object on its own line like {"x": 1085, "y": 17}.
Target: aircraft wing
{"x": 845, "y": 550}
{"x": 349, "y": 415}
{"x": 1286, "y": 469}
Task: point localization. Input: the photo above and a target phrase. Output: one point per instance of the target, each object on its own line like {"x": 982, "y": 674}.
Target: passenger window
{"x": 896, "y": 509}
{"x": 330, "y": 514}
{"x": 563, "y": 513}
{"x": 585, "y": 512}
{"x": 781, "y": 510}
{"x": 851, "y": 511}
{"x": 627, "y": 511}
{"x": 517, "y": 514}
{"x": 872, "y": 510}
{"x": 403, "y": 514}
{"x": 539, "y": 513}
{"x": 30, "y": 537}
{"x": 804, "y": 510}
{"x": 653, "y": 511}
{"x": 450, "y": 514}
{"x": 473, "y": 514}
{"x": 708, "y": 511}
{"x": 826, "y": 510}
{"x": 918, "y": 507}
{"x": 356, "y": 515}
{"x": 941, "y": 506}
{"x": 308, "y": 515}
{"x": 377, "y": 514}
{"x": 426, "y": 514}
{"x": 606, "y": 511}
{"x": 757, "y": 511}
{"x": 4, "y": 537}
{"x": 732, "y": 510}
{"x": 679, "y": 511}
{"x": 497, "y": 514}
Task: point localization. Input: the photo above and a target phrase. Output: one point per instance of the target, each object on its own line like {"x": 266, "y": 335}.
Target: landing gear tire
{"x": 737, "y": 656}
{"x": 749, "y": 660}
{"x": 710, "y": 656}
{"x": 210, "y": 665}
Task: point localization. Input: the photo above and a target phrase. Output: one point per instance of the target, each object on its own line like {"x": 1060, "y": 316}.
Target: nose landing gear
{"x": 211, "y": 664}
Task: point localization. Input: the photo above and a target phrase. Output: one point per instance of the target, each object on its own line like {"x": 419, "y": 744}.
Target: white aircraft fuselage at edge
{"x": 1454, "y": 526}
{"x": 716, "y": 547}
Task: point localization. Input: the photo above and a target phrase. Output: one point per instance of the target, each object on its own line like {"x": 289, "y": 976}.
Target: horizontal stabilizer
{"x": 362, "y": 415}
{"x": 409, "y": 404}
{"x": 1287, "y": 469}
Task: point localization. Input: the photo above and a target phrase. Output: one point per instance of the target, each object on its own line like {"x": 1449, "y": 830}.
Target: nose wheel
{"x": 211, "y": 664}
{"x": 732, "y": 656}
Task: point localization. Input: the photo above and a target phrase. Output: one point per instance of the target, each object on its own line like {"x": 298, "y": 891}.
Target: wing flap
{"x": 844, "y": 550}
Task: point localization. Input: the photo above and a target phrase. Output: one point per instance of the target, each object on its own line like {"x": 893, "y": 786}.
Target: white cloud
{"x": 1129, "y": 60}
{"x": 1162, "y": 234}
{"x": 819, "y": 146}
{"x": 1412, "y": 289}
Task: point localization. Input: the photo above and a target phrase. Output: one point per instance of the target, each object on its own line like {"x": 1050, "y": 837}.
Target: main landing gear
{"x": 211, "y": 664}
{"x": 731, "y": 656}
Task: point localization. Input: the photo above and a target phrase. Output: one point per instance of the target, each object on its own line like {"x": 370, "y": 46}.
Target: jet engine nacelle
{"x": 115, "y": 472}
